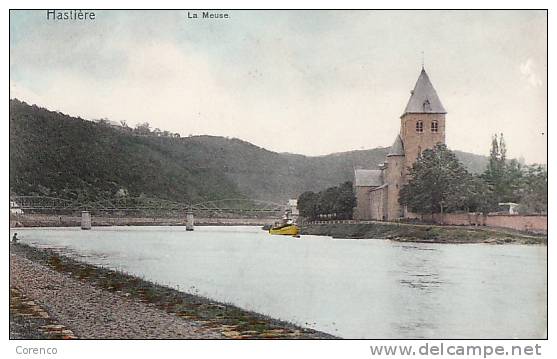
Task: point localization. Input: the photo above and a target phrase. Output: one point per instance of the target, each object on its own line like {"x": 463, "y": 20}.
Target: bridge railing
{"x": 44, "y": 204}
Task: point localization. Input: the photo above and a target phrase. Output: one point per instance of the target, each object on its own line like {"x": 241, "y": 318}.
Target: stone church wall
{"x": 378, "y": 204}
{"x": 363, "y": 205}
{"x": 394, "y": 178}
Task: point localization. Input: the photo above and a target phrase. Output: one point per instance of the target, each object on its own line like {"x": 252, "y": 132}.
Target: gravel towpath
{"x": 92, "y": 313}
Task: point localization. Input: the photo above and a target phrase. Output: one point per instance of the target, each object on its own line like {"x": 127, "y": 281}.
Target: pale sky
{"x": 308, "y": 82}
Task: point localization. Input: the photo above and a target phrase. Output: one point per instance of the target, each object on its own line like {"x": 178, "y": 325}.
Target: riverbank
{"x": 28, "y": 320}
{"x": 404, "y": 232}
{"x": 99, "y": 303}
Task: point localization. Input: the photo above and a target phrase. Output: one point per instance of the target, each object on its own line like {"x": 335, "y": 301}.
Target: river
{"x": 350, "y": 288}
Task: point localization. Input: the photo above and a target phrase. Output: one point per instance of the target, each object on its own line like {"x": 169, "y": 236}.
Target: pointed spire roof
{"x": 397, "y": 149}
{"x": 424, "y": 98}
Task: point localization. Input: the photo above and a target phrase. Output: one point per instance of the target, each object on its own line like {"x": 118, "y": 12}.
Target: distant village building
{"x": 513, "y": 207}
{"x": 293, "y": 208}
{"x": 422, "y": 126}
{"x": 14, "y": 208}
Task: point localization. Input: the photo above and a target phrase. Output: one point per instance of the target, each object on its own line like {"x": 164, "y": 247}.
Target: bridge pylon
{"x": 85, "y": 220}
{"x": 189, "y": 219}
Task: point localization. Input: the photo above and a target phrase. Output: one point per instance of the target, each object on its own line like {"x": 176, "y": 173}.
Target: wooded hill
{"x": 61, "y": 156}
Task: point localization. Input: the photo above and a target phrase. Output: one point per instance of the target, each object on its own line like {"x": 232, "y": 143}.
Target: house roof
{"x": 368, "y": 178}
{"x": 397, "y": 149}
{"x": 424, "y": 98}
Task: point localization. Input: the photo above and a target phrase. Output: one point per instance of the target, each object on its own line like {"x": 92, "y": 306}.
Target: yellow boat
{"x": 285, "y": 229}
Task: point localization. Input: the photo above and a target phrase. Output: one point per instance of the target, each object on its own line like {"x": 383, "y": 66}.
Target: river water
{"x": 349, "y": 288}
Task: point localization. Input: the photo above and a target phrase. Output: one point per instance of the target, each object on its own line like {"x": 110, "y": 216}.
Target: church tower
{"x": 422, "y": 126}
{"x": 423, "y": 121}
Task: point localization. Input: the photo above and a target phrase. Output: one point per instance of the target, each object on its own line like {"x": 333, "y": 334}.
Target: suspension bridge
{"x": 44, "y": 204}
{"x": 239, "y": 208}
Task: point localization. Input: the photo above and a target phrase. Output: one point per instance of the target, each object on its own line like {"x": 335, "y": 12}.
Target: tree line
{"x": 332, "y": 203}
{"x": 440, "y": 183}
{"x": 141, "y": 129}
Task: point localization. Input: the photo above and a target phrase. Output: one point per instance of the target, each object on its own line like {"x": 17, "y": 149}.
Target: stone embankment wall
{"x": 525, "y": 223}
{"x": 535, "y": 224}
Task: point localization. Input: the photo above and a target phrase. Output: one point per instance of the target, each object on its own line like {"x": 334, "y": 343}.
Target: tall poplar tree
{"x": 503, "y": 177}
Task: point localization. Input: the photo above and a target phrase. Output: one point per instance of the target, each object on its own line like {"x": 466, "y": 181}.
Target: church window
{"x": 419, "y": 126}
{"x": 435, "y": 127}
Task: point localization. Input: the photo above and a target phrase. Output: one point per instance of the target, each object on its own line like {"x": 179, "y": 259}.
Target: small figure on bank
{"x": 15, "y": 239}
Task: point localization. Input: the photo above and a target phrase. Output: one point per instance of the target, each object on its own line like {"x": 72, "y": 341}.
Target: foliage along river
{"x": 349, "y": 288}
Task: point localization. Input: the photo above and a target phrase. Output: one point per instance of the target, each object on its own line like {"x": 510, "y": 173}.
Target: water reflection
{"x": 418, "y": 272}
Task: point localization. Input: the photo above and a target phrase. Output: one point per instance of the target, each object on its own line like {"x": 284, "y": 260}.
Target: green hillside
{"x": 58, "y": 155}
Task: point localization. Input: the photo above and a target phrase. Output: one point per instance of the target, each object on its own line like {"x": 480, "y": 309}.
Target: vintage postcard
{"x": 279, "y": 174}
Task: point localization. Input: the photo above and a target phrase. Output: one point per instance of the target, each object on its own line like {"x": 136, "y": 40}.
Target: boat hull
{"x": 291, "y": 230}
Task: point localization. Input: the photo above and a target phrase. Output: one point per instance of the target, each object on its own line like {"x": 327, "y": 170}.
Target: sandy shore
{"x": 93, "y": 313}
{"x": 88, "y": 302}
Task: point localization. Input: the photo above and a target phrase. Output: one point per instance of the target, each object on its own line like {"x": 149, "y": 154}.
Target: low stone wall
{"x": 534, "y": 224}
{"x": 525, "y": 223}
{"x": 452, "y": 219}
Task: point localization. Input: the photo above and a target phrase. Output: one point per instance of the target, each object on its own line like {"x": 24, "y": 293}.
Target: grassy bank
{"x": 231, "y": 321}
{"x": 421, "y": 233}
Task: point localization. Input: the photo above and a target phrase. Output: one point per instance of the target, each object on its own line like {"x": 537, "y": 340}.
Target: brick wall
{"x": 536, "y": 224}
{"x": 533, "y": 223}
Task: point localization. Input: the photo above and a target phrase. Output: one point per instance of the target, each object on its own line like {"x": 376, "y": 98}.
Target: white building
{"x": 14, "y": 208}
